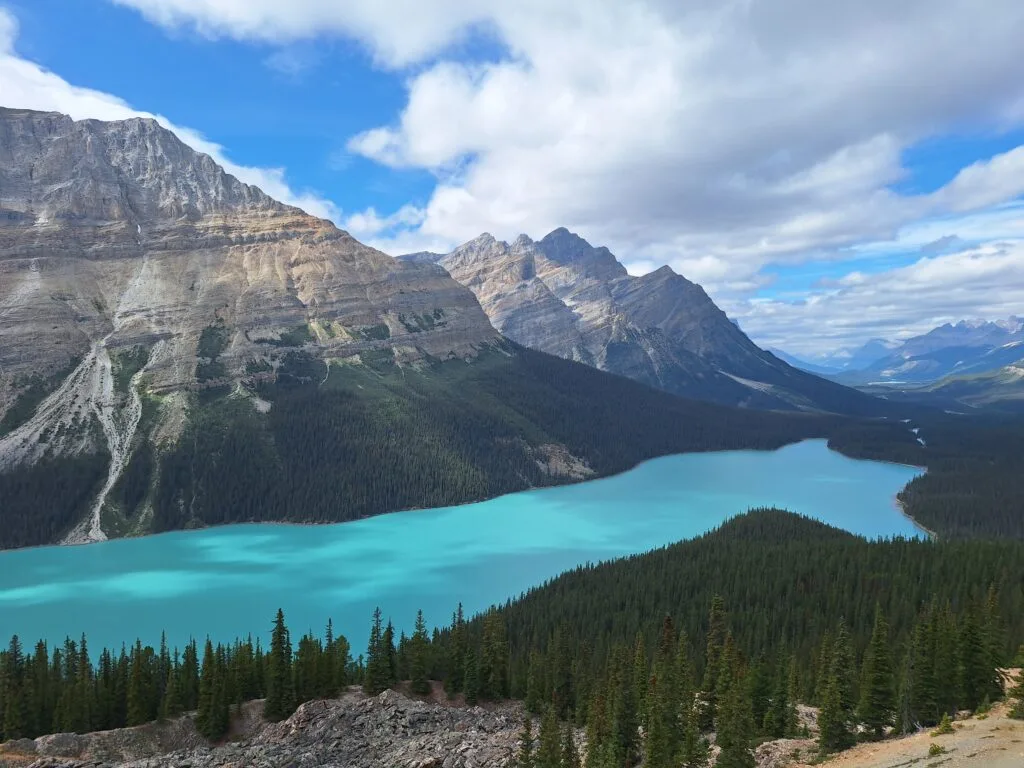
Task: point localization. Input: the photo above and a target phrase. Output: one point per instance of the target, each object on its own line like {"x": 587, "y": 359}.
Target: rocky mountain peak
{"x": 566, "y": 297}
{"x": 133, "y": 178}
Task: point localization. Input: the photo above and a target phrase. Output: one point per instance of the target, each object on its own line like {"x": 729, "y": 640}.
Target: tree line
{"x": 883, "y": 636}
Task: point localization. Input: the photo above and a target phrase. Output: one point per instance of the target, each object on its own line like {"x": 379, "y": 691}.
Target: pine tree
{"x": 623, "y": 744}
{"x": 457, "y": 654}
{"x": 525, "y": 757}
{"x": 877, "y": 701}
{"x": 206, "y": 720}
{"x": 534, "y": 683}
{"x": 905, "y": 719}
{"x": 418, "y": 647}
{"x": 781, "y": 719}
{"x": 835, "y": 719}
{"x": 823, "y": 668}
{"x": 549, "y": 753}
{"x": 976, "y": 672}
{"x": 494, "y": 658}
{"x": 280, "y": 701}
{"x": 138, "y": 705}
{"x": 717, "y": 627}
{"x": 13, "y": 691}
{"x": 390, "y": 653}
{"x": 377, "y": 677}
{"x": 471, "y": 678}
{"x": 924, "y": 706}
{"x": 694, "y": 751}
{"x": 736, "y": 729}
{"x": 171, "y": 705}
{"x": 995, "y": 641}
{"x": 190, "y": 677}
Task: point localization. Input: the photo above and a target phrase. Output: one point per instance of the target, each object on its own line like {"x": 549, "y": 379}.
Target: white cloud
{"x": 401, "y": 31}
{"x": 719, "y": 136}
{"x": 25, "y": 84}
{"x": 713, "y": 132}
{"x": 369, "y": 224}
{"x": 983, "y": 281}
{"x": 986, "y": 182}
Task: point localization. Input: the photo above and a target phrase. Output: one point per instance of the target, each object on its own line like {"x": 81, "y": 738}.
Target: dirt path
{"x": 995, "y": 742}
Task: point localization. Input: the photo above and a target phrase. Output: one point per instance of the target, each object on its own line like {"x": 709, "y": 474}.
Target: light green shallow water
{"x": 228, "y": 582}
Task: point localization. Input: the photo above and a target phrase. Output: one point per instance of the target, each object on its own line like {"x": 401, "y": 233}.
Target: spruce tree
{"x": 471, "y": 677}
{"x": 171, "y": 705}
{"x": 694, "y": 751}
{"x": 13, "y": 691}
{"x": 390, "y": 653}
{"x": 534, "y": 683}
{"x": 280, "y": 701}
{"x": 717, "y": 628}
{"x": 736, "y": 729}
{"x": 823, "y": 668}
{"x": 922, "y": 683}
{"x": 418, "y": 647}
{"x": 995, "y": 641}
{"x": 376, "y": 678}
{"x": 206, "y": 719}
{"x": 457, "y": 654}
{"x": 549, "y": 747}
{"x": 878, "y": 699}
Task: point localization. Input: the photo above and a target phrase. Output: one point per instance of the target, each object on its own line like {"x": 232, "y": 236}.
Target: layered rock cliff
{"x": 131, "y": 263}
{"x": 563, "y": 296}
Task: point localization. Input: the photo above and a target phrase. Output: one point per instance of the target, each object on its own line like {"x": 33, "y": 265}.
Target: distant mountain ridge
{"x": 960, "y": 349}
{"x": 563, "y": 296}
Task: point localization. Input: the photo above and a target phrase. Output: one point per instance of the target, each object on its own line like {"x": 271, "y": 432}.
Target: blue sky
{"x": 829, "y": 177}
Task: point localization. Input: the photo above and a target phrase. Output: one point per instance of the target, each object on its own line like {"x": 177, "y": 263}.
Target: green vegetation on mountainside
{"x": 376, "y": 437}
{"x": 974, "y": 487}
{"x": 357, "y": 439}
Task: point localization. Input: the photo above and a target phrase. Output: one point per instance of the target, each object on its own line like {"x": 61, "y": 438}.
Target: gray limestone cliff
{"x": 565, "y": 297}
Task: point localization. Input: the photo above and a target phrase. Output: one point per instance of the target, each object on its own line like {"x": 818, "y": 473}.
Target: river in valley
{"x": 228, "y": 582}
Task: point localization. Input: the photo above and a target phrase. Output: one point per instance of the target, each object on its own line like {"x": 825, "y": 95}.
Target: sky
{"x": 830, "y": 172}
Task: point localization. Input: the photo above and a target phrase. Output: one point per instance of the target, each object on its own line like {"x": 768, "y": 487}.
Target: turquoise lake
{"x": 228, "y": 582}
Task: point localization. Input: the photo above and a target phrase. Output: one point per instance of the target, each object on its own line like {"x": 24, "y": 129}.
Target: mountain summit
{"x": 564, "y": 296}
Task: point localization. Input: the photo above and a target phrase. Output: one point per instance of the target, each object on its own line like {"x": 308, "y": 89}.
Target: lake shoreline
{"x": 568, "y": 483}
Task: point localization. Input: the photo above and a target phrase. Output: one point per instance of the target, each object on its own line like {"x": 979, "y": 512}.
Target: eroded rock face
{"x": 565, "y": 297}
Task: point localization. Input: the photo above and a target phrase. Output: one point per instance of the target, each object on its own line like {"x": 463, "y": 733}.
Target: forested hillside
{"x": 374, "y": 437}
{"x": 974, "y": 487}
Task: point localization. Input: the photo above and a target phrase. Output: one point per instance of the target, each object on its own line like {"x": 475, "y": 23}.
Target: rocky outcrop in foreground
{"x": 351, "y": 732}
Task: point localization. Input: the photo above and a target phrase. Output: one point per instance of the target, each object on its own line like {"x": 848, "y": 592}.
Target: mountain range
{"x": 178, "y": 349}
{"x": 964, "y": 348}
{"x": 563, "y": 296}
{"x": 969, "y": 364}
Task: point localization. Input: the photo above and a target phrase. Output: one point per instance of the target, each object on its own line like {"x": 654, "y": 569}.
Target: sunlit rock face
{"x": 564, "y": 296}
{"x": 119, "y": 232}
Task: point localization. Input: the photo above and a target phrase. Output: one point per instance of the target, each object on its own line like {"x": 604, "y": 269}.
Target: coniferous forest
{"x": 726, "y": 632}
